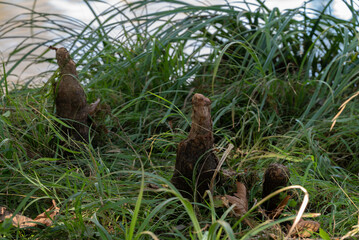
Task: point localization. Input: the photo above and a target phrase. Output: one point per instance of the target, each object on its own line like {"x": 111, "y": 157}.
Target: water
{"x": 79, "y": 10}
{"x": 14, "y": 10}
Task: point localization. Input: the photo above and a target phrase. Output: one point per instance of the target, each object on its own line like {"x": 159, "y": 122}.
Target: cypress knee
{"x": 70, "y": 97}
{"x": 275, "y": 177}
{"x": 196, "y": 161}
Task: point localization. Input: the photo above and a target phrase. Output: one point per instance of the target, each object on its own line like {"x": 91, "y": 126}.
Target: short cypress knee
{"x": 196, "y": 161}
{"x": 275, "y": 177}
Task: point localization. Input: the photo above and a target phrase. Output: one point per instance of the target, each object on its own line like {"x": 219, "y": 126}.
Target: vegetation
{"x": 275, "y": 79}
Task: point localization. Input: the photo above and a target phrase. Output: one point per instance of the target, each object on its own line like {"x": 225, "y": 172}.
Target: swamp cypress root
{"x": 196, "y": 161}
{"x": 275, "y": 177}
{"x": 70, "y": 97}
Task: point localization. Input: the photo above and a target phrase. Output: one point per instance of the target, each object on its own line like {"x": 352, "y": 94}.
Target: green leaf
{"x": 323, "y": 234}
{"x": 6, "y": 114}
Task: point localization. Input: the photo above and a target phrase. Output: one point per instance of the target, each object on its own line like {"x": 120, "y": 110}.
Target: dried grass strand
{"x": 341, "y": 108}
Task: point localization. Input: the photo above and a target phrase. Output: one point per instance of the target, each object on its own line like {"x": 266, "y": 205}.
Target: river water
{"x": 78, "y": 9}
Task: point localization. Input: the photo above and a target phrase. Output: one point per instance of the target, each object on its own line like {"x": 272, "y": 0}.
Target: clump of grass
{"x": 275, "y": 80}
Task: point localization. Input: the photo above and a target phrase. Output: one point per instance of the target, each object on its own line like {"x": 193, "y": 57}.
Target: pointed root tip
{"x": 53, "y": 48}
{"x": 93, "y": 106}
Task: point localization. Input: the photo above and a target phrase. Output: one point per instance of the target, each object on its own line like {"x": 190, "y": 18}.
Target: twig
{"x": 225, "y": 154}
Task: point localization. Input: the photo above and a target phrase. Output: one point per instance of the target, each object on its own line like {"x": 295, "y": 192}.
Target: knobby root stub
{"x": 275, "y": 177}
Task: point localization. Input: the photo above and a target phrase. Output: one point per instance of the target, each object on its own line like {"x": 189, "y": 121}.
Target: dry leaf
{"x": 306, "y": 228}
{"x": 23, "y": 221}
{"x": 239, "y": 200}
{"x": 242, "y": 194}
{"x": 47, "y": 216}
{"x": 276, "y": 212}
{"x": 4, "y": 213}
{"x": 18, "y": 220}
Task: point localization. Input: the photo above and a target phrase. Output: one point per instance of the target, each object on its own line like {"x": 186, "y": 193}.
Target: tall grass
{"x": 275, "y": 80}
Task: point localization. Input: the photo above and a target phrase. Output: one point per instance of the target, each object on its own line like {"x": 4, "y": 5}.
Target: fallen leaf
{"x": 23, "y": 221}
{"x": 3, "y": 213}
{"x": 239, "y": 200}
{"x": 18, "y": 220}
{"x": 239, "y": 208}
{"x": 242, "y": 194}
{"x": 306, "y": 228}
{"x": 47, "y": 217}
{"x": 276, "y": 212}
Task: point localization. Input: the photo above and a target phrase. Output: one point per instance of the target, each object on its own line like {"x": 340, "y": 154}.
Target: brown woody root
{"x": 70, "y": 97}
{"x": 275, "y": 177}
{"x": 195, "y": 158}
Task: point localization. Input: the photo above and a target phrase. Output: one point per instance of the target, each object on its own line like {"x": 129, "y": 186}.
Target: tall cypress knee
{"x": 196, "y": 161}
{"x": 70, "y": 97}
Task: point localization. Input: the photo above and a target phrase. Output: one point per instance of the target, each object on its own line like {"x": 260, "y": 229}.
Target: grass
{"x": 276, "y": 79}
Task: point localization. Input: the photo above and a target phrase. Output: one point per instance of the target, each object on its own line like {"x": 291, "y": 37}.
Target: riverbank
{"x": 275, "y": 84}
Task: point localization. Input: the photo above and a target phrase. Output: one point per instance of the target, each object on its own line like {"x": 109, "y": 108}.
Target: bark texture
{"x": 196, "y": 161}
{"x": 275, "y": 177}
{"x": 70, "y": 97}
